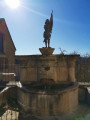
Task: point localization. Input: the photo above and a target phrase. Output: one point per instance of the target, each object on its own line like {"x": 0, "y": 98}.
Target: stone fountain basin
{"x": 49, "y": 102}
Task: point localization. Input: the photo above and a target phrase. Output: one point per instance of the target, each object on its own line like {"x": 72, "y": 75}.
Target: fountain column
{"x": 71, "y": 68}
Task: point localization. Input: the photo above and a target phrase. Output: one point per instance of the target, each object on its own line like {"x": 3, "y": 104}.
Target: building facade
{"x": 7, "y": 53}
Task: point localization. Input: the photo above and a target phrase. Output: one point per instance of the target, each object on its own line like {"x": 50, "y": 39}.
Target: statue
{"x": 48, "y": 30}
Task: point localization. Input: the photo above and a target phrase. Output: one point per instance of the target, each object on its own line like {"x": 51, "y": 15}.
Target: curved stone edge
{"x": 50, "y": 92}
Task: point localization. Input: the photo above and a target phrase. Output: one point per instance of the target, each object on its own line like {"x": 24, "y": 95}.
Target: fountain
{"x": 50, "y": 86}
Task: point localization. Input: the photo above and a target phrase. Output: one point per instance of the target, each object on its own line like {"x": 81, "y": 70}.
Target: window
{"x": 1, "y": 43}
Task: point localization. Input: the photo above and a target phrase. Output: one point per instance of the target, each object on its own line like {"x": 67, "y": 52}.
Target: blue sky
{"x": 71, "y": 28}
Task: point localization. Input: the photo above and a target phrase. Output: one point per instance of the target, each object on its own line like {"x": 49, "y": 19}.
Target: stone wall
{"x": 10, "y": 92}
{"x": 83, "y": 69}
{"x": 48, "y": 103}
{"x": 82, "y": 92}
{"x": 3, "y": 98}
{"x": 61, "y": 68}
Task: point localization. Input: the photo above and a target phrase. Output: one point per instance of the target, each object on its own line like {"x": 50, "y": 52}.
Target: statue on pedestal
{"x": 48, "y": 30}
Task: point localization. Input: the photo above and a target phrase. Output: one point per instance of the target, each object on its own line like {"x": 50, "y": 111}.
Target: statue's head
{"x": 47, "y": 21}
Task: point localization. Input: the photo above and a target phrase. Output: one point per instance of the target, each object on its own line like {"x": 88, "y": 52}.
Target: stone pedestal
{"x": 46, "y": 51}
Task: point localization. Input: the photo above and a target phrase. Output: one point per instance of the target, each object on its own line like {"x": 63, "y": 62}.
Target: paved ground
{"x": 10, "y": 115}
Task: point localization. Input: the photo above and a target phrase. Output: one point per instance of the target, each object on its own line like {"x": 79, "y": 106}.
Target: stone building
{"x": 7, "y": 52}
